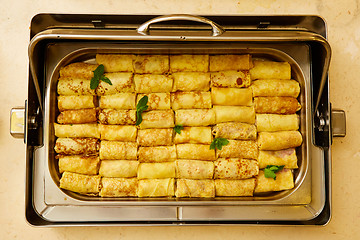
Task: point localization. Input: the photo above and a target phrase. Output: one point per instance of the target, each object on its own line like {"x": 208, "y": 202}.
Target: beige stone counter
{"x": 343, "y": 18}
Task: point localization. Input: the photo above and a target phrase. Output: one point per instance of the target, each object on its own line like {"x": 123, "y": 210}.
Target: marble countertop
{"x": 343, "y": 20}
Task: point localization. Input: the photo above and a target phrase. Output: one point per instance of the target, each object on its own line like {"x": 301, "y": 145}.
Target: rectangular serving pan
{"x": 308, "y": 53}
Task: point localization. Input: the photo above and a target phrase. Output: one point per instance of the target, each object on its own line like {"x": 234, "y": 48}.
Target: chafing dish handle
{"x": 17, "y": 122}
{"x": 217, "y": 30}
{"x": 338, "y": 123}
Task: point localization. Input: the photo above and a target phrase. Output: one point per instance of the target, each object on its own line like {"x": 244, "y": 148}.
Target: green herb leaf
{"x": 99, "y": 76}
{"x": 178, "y": 128}
{"x": 270, "y": 171}
{"x": 140, "y": 107}
{"x": 219, "y": 143}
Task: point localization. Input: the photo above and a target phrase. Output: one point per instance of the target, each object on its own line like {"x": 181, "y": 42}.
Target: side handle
{"x": 338, "y": 123}
{"x": 17, "y": 122}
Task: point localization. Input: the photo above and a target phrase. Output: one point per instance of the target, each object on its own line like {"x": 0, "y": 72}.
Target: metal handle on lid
{"x": 216, "y": 29}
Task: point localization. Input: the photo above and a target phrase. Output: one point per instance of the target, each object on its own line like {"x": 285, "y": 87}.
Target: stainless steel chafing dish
{"x": 57, "y": 40}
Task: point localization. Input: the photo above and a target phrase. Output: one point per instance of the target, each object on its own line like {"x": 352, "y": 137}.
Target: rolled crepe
{"x": 275, "y": 88}
{"x": 155, "y": 137}
{"x": 75, "y": 146}
{"x": 156, "y": 170}
{"x": 286, "y": 157}
{"x": 276, "y": 105}
{"x": 76, "y": 102}
{"x": 235, "y": 188}
{"x": 157, "y": 119}
{"x": 194, "y": 169}
{"x": 235, "y": 168}
{"x": 230, "y": 62}
{"x": 121, "y": 82}
{"x": 234, "y": 114}
{"x": 77, "y": 116}
{"x": 195, "y": 188}
{"x": 116, "y": 62}
{"x": 156, "y": 187}
{"x": 284, "y": 181}
{"x": 194, "y": 135}
{"x": 191, "y": 81}
{"x": 276, "y": 122}
{"x": 194, "y": 117}
{"x": 148, "y": 83}
{"x": 195, "y": 151}
{"x": 122, "y": 117}
{"x": 118, "y": 101}
{"x": 279, "y": 140}
{"x": 118, "y": 150}
{"x": 189, "y": 63}
{"x": 157, "y": 154}
{"x": 231, "y": 96}
{"x": 118, "y": 168}
{"x": 119, "y": 187}
{"x": 74, "y": 86}
{"x": 156, "y": 101}
{"x": 157, "y": 64}
{"x": 239, "y": 149}
{"x": 78, "y": 70}
{"x": 234, "y": 79}
{"x": 184, "y": 100}
{"x": 270, "y": 70}
{"x": 77, "y": 130}
{"x": 79, "y": 164}
{"x": 235, "y": 130}
{"x": 80, "y": 183}
{"x": 124, "y": 133}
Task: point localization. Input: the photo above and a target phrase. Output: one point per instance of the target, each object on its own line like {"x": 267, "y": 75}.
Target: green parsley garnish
{"x": 99, "y": 76}
{"x": 140, "y": 107}
{"x": 178, "y": 128}
{"x": 219, "y": 143}
{"x": 270, "y": 171}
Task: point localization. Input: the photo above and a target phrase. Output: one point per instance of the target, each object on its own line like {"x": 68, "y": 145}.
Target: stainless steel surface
{"x": 17, "y": 122}
{"x": 216, "y": 29}
{"x": 338, "y": 123}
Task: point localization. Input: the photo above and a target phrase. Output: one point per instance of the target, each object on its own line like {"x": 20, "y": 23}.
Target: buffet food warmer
{"x": 59, "y": 39}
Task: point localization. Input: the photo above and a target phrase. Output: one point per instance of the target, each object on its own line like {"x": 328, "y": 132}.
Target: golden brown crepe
{"x": 275, "y": 88}
{"x": 204, "y": 188}
{"x": 77, "y": 130}
{"x": 119, "y": 187}
{"x": 156, "y": 101}
{"x": 276, "y": 105}
{"x": 116, "y": 62}
{"x": 239, "y": 149}
{"x": 194, "y": 169}
{"x": 284, "y": 180}
{"x": 153, "y": 83}
{"x": 279, "y": 140}
{"x": 270, "y": 70}
{"x": 194, "y": 135}
{"x": 191, "y": 81}
{"x": 156, "y": 170}
{"x": 230, "y": 62}
{"x": 286, "y": 157}
{"x": 194, "y": 117}
{"x": 195, "y": 151}
{"x": 77, "y": 116}
{"x": 118, "y": 150}
{"x": 118, "y": 168}
{"x": 234, "y": 114}
{"x": 121, "y": 82}
{"x": 75, "y": 146}
{"x": 188, "y": 100}
{"x": 189, "y": 63}
{"x": 124, "y": 133}
{"x": 276, "y": 122}
{"x": 118, "y": 101}
{"x": 76, "y": 102}
{"x": 88, "y": 184}
{"x": 78, "y": 70}
{"x": 157, "y": 154}
{"x": 235, "y": 130}
{"x": 235, "y": 168}
{"x": 74, "y": 86}
{"x": 122, "y": 117}
{"x": 155, "y": 137}
{"x": 79, "y": 164}
{"x": 234, "y": 188}
{"x": 156, "y": 64}
{"x": 157, "y": 119}
{"x": 234, "y": 79}
{"x": 231, "y": 96}
{"x": 156, "y": 187}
